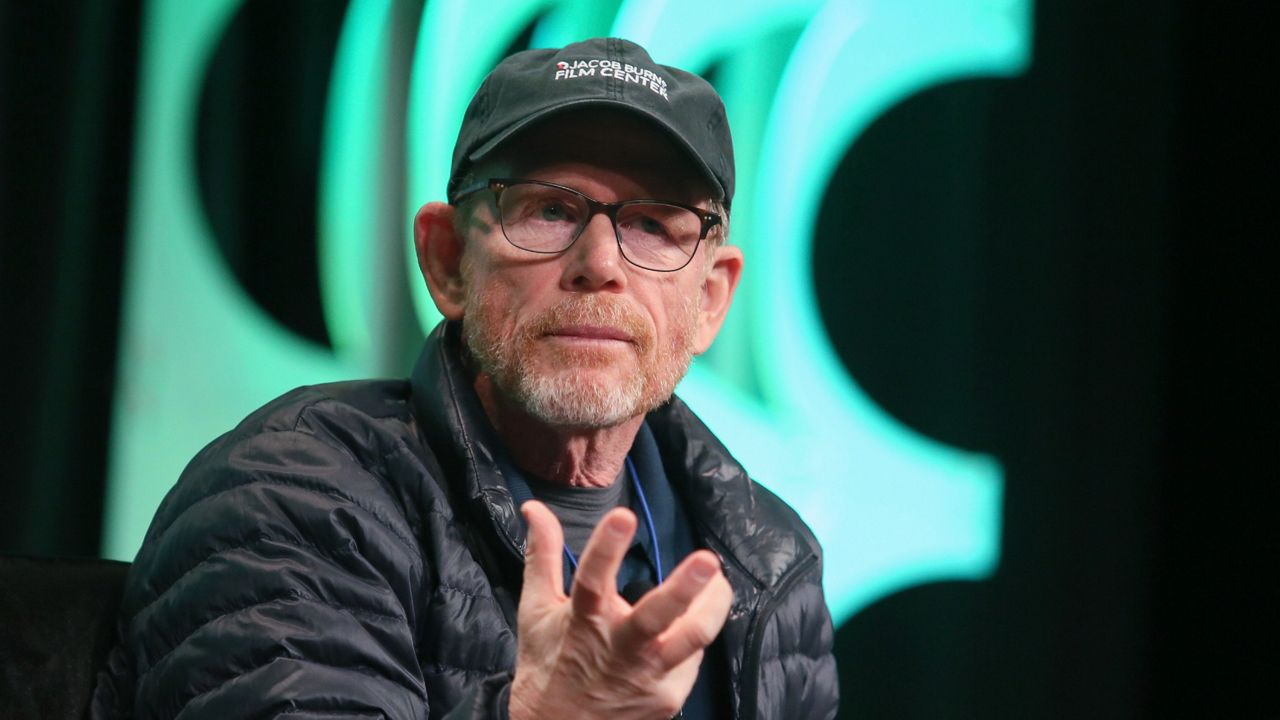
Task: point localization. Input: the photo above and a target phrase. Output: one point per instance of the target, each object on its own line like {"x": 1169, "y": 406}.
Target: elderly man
{"x": 531, "y": 526}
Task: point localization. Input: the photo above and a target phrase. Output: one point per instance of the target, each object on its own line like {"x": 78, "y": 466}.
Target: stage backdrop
{"x": 992, "y": 341}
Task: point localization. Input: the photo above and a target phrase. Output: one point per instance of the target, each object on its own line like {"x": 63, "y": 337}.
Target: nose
{"x": 594, "y": 262}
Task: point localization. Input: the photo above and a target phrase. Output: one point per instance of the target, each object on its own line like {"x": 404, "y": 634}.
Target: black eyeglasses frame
{"x": 610, "y": 210}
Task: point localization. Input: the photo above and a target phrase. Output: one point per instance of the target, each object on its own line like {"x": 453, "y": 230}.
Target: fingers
{"x": 660, "y": 607}
{"x": 596, "y": 580}
{"x": 543, "y": 562}
{"x": 698, "y": 626}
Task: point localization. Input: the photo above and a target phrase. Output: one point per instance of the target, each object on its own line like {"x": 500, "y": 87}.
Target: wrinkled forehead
{"x": 612, "y": 140}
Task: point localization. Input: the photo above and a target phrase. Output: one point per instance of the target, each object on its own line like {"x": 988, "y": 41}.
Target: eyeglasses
{"x": 543, "y": 217}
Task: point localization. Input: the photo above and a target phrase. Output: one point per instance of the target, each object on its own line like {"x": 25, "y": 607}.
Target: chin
{"x": 585, "y": 360}
{"x": 582, "y": 397}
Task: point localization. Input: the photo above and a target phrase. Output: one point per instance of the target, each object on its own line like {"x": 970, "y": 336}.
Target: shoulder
{"x": 722, "y": 483}
{"x": 288, "y": 540}
{"x": 291, "y": 470}
{"x": 307, "y": 431}
{"x": 312, "y": 408}
{"x": 776, "y": 512}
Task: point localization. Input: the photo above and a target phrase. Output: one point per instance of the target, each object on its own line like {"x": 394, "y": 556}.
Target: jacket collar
{"x": 757, "y": 532}
{"x": 459, "y": 434}
{"x": 717, "y": 491}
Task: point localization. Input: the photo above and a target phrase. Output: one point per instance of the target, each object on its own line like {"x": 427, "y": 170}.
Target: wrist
{"x": 519, "y": 706}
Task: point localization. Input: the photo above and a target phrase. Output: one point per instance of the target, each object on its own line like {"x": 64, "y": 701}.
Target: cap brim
{"x": 483, "y": 151}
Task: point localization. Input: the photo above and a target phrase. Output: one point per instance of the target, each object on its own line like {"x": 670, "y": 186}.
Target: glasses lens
{"x": 658, "y": 236}
{"x": 541, "y": 218}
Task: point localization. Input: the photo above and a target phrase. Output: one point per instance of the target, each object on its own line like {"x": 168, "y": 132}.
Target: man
{"x": 532, "y": 526}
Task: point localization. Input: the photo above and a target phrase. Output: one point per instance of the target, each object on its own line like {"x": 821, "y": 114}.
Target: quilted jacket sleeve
{"x": 280, "y": 577}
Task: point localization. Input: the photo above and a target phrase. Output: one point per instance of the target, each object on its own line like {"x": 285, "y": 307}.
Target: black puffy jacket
{"x": 352, "y": 550}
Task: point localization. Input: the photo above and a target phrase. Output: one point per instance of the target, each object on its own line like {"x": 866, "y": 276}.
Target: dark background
{"x": 1063, "y": 269}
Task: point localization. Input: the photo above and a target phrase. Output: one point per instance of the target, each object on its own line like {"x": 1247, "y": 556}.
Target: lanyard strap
{"x": 648, "y": 521}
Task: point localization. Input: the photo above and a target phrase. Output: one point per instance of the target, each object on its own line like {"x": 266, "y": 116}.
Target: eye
{"x": 553, "y": 211}
{"x": 651, "y": 226}
{"x": 648, "y": 223}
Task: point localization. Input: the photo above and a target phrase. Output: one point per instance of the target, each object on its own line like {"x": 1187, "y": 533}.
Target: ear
{"x": 717, "y": 294}
{"x": 440, "y": 257}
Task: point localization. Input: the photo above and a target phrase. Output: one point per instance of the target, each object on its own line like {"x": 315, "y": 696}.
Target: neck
{"x": 578, "y": 457}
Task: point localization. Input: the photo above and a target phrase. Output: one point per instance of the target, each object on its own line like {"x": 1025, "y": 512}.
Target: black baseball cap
{"x": 602, "y": 72}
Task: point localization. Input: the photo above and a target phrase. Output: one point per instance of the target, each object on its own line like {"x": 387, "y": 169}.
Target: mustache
{"x": 592, "y": 309}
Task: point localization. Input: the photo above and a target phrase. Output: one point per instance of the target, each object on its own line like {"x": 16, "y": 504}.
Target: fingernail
{"x": 617, "y": 527}
{"x": 703, "y": 572}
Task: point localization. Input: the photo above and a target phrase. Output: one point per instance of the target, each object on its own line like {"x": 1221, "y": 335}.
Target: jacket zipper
{"x": 751, "y": 659}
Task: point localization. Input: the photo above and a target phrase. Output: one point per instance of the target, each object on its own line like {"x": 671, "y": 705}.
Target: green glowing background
{"x": 801, "y": 80}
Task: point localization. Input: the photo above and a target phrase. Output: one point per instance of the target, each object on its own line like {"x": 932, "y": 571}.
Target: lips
{"x": 591, "y": 332}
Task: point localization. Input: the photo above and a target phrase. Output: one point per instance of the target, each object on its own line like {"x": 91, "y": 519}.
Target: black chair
{"x": 57, "y": 623}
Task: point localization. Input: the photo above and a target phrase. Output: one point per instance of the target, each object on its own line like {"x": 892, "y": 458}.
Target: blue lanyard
{"x": 648, "y": 521}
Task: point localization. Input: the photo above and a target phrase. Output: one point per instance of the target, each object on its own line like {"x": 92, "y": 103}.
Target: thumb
{"x": 543, "y": 565}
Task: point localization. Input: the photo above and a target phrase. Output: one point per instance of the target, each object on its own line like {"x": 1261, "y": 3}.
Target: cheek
{"x": 676, "y": 316}
{"x": 503, "y": 297}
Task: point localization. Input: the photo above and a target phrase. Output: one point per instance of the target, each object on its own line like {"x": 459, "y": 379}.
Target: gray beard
{"x": 572, "y": 393}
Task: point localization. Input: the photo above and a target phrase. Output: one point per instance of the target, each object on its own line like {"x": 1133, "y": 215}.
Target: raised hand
{"x": 593, "y": 655}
